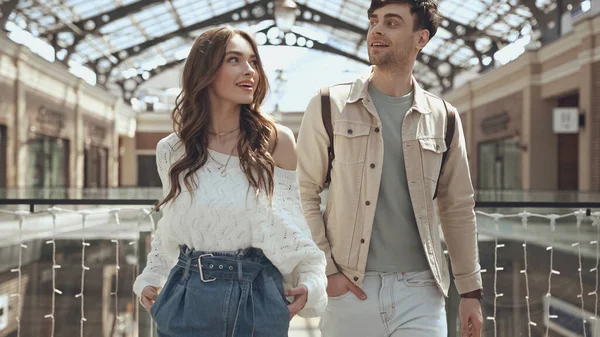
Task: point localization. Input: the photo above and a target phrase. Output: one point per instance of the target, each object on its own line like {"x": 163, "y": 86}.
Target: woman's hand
{"x": 149, "y": 295}
{"x": 301, "y": 296}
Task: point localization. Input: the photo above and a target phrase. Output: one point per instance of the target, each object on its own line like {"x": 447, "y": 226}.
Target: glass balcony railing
{"x": 67, "y": 268}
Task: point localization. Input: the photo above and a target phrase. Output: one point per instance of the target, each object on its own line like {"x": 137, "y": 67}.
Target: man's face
{"x": 391, "y": 39}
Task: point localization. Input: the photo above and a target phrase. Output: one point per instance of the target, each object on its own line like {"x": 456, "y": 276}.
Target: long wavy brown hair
{"x": 191, "y": 117}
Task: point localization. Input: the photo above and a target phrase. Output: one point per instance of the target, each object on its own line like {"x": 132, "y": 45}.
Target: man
{"x": 386, "y": 269}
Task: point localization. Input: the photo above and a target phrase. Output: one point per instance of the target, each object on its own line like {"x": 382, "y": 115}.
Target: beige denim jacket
{"x": 344, "y": 232}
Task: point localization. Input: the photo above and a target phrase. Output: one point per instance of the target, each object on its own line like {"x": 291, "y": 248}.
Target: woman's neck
{"x": 225, "y": 116}
{"x": 224, "y": 121}
{"x": 223, "y": 131}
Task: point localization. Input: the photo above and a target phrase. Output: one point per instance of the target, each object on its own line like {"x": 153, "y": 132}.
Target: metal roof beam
{"x": 319, "y": 18}
{"x": 130, "y": 86}
{"x": 260, "y": 11}
{"x": 252, "y": 12}
{"x": 468, "y": 33}
{"x": 311, "y": 44}
{"x": 542, "y": 20}
{"x": 6, "y": 8}
{"x": 174, "y": 13}
{"x": 93, "y": 24}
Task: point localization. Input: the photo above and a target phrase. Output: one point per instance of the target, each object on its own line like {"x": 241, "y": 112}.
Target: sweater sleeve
{"x": 286, "y": 240}
{"x": 164, "y": 249}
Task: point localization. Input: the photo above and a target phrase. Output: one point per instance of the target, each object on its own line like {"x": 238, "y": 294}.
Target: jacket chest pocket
{"x": 432, "y": 150}
{"x": 351, "y": 141}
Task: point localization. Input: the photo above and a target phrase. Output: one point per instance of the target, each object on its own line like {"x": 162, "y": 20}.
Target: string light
{"x": 596, "y": 224}
{"x": 525, "y": 217}
{"x": 524, "y": 221}
{"x": 552, "y": 271}
{"x": 53, "y": 211}
{"x": 580, "y": 215}
{"x": 20, "y": 215}
{"x": 115, "y": 214}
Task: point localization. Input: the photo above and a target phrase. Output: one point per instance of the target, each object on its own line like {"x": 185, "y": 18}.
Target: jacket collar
{"x": 360, "y": 90}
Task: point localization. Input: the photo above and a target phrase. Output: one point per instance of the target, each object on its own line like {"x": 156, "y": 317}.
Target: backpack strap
{"x": 327, "y": 123}
{"x": 450, "y": 125}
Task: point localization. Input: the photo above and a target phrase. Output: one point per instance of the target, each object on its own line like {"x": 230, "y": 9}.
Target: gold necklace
{"x": 223, "y": 166}
{"x": 223, "y": 133}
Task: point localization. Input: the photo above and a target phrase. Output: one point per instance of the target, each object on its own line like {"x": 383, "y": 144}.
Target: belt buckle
{"x": 200, "y": 268}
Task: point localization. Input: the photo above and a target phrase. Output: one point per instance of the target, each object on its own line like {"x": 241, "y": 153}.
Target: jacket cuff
{"x": 469, "y": 283}
{"x": 331, "y": 267}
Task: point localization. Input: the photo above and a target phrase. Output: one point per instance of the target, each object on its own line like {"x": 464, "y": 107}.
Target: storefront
{"x": 96, "y": 167}
{"x": 500, "y": 165}
{"x": 96, "y": 152}
{"x": 50, "y": 136}
{"x": 7, "y": 108}
{"x": 497, "y": 145}
{"x": 3, "y": 161}
{"x": 48, "y": 162}
{"x": 147, "y": 172}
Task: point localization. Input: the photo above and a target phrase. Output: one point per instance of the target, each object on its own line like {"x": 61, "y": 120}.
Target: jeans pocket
{"x": 153, "y": 309}
{"x": 174, "y": 275}
{"x": 155, "y": 305}
{"x": 276, "y": 292}
{"x": 422, "y": 279}
{"x": 419, "y": 283}
{"x": 341, "y": 297}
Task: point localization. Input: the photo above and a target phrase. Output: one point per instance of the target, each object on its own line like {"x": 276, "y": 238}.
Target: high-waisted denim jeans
{"x": 233, "y": 294}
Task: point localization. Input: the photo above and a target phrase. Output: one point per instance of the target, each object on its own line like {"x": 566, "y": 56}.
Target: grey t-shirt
{"x": 395, "y": 242}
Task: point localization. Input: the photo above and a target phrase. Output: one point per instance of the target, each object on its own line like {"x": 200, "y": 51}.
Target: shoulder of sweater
{"x": 170, "y": 141}
{"x": 170, "y": 144}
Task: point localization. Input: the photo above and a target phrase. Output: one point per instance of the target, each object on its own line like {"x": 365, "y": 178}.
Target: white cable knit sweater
{"x": 224, "y": 215}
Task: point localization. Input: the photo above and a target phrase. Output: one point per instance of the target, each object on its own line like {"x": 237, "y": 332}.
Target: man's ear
{"x": 423, "y": 38}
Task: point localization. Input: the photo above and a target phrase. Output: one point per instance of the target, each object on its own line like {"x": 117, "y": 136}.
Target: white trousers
{"x": 397, "y": 305}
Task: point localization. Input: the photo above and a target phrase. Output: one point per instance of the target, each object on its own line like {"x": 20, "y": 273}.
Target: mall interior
{"x": 87, "y": 89}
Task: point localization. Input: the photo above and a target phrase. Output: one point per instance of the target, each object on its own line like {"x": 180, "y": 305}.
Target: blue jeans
{"x": 397, "y": 305}
{"x": 234, "y": 294}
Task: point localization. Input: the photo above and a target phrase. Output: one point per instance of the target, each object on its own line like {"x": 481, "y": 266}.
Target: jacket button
{"x": 372, "y": 165}
{"x": 350, "y": 131}
{"x": 355, "y": 278}
{"x": 362, "y": 240}
{"x": 377, "y": 130}
{"x": 367, "y": 203}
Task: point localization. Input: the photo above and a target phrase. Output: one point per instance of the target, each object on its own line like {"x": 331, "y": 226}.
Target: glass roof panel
{"x": 159, "y": 25}
{"x": 167, "y": 49}
{"x": 116, "y": 26}
{"x": 124, "y": 27}
{"x": 92, "y": 8}
{"x": 150, "y": 12}
{"x": 498, "y": 19}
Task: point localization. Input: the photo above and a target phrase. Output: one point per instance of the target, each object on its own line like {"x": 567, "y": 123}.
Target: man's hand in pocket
{"x": 338, "y": 284}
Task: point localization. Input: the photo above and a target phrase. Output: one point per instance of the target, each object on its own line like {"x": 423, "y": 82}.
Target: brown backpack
{"x": 327, "y": 123}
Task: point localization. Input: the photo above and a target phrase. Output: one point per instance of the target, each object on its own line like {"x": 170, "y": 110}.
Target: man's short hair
{"x": 425, "y": 12}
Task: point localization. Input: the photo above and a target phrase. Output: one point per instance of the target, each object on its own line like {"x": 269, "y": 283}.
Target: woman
{"x": 232, "y": 232}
